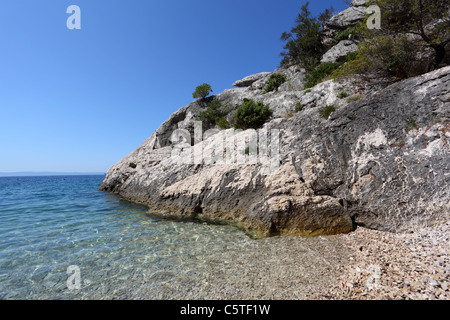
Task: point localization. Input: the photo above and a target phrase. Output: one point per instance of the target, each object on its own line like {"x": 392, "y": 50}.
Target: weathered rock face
{"x": 358, "y": 3}
{"x": 381, "y": 162}
{"x": 387, "y": 155}
{"x": 248, "y": 81}
{"x": 347, "y": 18}
{"x": 340, "y": 51}
{"x": 341, "y": 21}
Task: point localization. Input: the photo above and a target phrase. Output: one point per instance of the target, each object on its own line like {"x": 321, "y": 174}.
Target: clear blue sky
{"x": 80, "y": 100}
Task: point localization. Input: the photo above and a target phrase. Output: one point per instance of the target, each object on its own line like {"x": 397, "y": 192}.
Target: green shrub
{"x": 326, "y": 111}
{"x": 412, "y": 125}
{"x": 351, "y": 56}
{"x": 393, "y": 56}
{"x": 354, "y": 98}
{"x": 251, "y": 115}
{"x": 343, "y": 95}
{"x": 214, "y": 113}
{"x": 298, "y": 107}
{"x": 223, "y": 123}
{"x": 202, "y": 91}
{"x": 344, "y": 34}
{"x": 392, "y": 51}
{"x": 318, "y": 74}
{"x": 274, "y": 82}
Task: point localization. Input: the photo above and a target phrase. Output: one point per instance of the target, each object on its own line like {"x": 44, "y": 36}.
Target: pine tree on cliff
{"x": 428, "y": 20}
{"x": 304, "y": 43}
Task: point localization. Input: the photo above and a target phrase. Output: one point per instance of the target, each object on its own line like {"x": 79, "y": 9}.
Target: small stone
{"x": 434, "y": 283}
{"x": 415, "y": 286}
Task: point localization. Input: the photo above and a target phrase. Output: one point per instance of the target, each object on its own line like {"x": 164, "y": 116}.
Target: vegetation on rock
{"x": 215, "y": 114}
{"x": 223, "y": 123}
{"x": 304, "y": 43}
{"x": 320, "y": 73}
{"x": 354, "y": 98}
{"x": 274, "y": 82}
{"x": 413, "y": 40}
{"x": 251, "y": 115}
{"x": 326, "y": 111}
{"x": 202, "y": 91}
{"x": 343, "y": 94}
{"x": 349, "y": 32}
{"x": 298, "y": 107}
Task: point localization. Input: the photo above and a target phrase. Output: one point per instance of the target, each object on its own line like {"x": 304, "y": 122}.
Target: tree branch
{"x": 419, "y": 23}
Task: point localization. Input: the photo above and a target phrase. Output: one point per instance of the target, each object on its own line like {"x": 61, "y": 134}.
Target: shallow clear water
{"x": 50, "y": 223}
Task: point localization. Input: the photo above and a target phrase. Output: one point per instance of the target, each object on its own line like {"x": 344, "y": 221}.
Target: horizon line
{"x": 47, "y": 173}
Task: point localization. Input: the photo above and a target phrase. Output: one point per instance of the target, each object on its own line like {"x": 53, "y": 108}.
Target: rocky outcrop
{"x": 380, "y": 162}
{"x": 358, "y": 3}
{"x": 347, "y": 18}
{"x": 340, "y": 51}
{"x": 391, "y": 166}
{"x": 248, "y": 81}
{"x": 343, "y": 20}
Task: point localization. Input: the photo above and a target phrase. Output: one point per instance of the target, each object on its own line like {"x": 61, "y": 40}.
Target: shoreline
{"x": 361, "y": 265}
{"x": 390, "y": 266}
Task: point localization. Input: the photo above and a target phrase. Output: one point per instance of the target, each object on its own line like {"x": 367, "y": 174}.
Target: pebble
{"x": 434, "y": 283}
{"x": 415, "y": 266}
{"x": 389, "y": 266}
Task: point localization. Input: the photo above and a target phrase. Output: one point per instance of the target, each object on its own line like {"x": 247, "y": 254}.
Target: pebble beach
{"x": 388, "y": 266}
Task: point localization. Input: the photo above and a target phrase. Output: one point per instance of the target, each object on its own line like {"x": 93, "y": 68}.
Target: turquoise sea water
{"x": 50, "y": 223}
